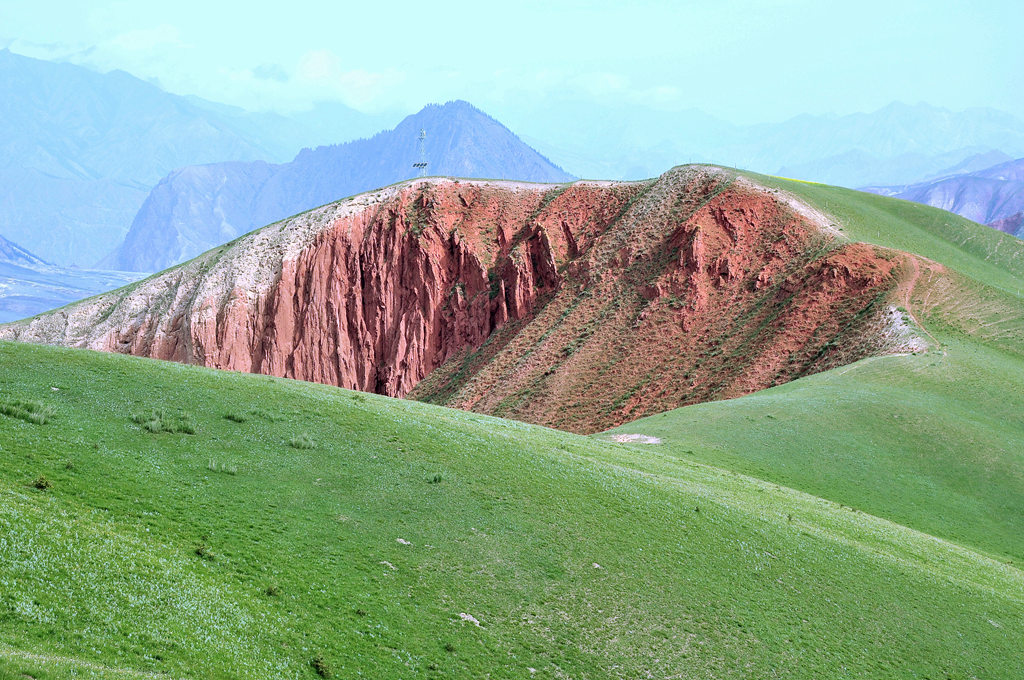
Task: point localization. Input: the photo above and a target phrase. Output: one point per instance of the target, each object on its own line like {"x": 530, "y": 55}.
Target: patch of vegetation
{"x": 416, "y": 215}
{"x": 42, "y": 483}
{"x": 494, "y": 283}
{"x": 264, "y": 414}
{"x": 235, "y": 417}
{"x": 302, "y": 441}
{"x": 214, "y": 466}
{"x": 29, "y": 410}
{"x": 157, "y": 420}
{"x": 321, "y": 666}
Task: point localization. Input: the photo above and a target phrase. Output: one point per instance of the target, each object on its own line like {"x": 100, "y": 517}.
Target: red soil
{"x": 579, "y": 308}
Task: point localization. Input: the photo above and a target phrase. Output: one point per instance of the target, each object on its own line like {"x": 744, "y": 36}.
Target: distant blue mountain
{"x": 993, "y": 196}
{"x": 198, "y": 207}
{"x": 80, "y": 150}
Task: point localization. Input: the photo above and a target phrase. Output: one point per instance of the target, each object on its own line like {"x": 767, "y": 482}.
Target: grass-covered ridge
{"x": 982, "y": 253}
{"x": 934, "y": 441}
{"x": 412, "y": 540}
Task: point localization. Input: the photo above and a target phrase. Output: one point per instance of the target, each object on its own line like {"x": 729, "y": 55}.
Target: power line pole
{"x": 421, "y": 167}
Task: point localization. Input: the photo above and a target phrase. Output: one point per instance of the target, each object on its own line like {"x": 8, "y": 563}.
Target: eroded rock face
{"x": 579, "y": 306}
{"x": 1014, "y": 224}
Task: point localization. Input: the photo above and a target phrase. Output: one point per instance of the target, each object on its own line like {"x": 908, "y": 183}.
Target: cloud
{"x": 601, "y": 84}
{"x": 49, "y": 51}
{"x": 552, "y": 83}
{"x": 662, "y": 95}
{"x": 145, "y": 39}
{"x": 143, "y": 52}
{"x": 323, "y": 75}
{"x": 274, "y": 72}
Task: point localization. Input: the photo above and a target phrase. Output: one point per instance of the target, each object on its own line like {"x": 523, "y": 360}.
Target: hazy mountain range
{"x": 898, "y": 144}
{"x": 993, "y": 195}
{"x": 80, "y": 150}
{"x": 199, "y": 207}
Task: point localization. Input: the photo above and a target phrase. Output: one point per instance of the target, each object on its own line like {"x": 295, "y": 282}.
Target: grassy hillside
{"x": 933, "y": 441}
{"x": 216, "y": 525}
{"x": 982, "y": 253}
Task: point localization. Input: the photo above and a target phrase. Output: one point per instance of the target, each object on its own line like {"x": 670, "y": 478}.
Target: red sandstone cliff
{"x": 578, "y": 306}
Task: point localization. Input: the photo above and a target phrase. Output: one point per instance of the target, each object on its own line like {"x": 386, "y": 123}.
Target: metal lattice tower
{"x": 421, "y": 167}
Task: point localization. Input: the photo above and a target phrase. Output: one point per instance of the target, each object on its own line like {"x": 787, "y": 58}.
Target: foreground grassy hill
{"x": 164, "y": 519}
{"x": 933, "y": 440}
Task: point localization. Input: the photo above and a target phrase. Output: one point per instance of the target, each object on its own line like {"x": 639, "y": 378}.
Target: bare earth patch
{"x": 634, "y": 439}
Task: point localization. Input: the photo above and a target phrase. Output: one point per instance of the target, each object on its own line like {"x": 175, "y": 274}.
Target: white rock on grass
{"x": 634, "y": 439}
{"x": 469, "y": 617}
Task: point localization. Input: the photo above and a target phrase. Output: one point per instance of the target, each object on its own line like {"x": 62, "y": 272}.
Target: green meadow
{"x": 167, "y": 521}
{"x": 406, "y": 540}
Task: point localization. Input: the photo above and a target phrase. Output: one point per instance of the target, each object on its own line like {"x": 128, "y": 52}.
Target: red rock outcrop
{"x": 1014, "y": 224}
{"x": 578, "y": 306}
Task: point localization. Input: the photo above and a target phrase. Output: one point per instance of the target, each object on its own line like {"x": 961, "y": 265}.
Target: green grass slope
{"x": 982, "y": 253}
{"x": 201, "y": 524}
{"x": 934, "y": 441}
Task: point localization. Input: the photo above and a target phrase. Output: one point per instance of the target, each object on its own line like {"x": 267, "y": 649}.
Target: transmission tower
{"x": 421, "y": 166}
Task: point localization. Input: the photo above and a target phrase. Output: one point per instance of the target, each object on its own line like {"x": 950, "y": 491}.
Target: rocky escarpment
{"x": 1014, "y": 224}
{"x": 580, "y": 306}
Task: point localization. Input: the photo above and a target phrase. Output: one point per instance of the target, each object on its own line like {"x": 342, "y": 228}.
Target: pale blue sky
{"x": 742, "y": 61}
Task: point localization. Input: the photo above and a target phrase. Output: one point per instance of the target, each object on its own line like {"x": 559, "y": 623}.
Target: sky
{"x": 741, "y": 61}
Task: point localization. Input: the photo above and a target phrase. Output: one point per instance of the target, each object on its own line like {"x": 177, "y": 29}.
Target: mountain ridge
{"x": 199, "y": 207}
{"x": 897, "y": 143}
{"x": 29, "y": 285}
{"x": 992, "y": 195}
{"x": 12, "y": 253}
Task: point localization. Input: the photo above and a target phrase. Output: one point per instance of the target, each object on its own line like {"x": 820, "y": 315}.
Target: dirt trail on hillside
{"x": 906, "y": 289}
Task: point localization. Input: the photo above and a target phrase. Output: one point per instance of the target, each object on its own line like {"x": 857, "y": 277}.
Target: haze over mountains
{"x": 80, "y": 150}
{"x": 993, "y": 196}
{"x": 897, "y": 144}
{"x": 29, "y": 285}
{"x": 199, "y": 207}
